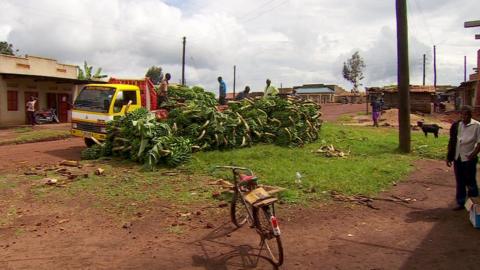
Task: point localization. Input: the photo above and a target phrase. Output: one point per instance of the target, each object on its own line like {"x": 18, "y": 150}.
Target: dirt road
{"x": 421, "y": 234}
{"x": 331, "y": 112}
{"x": 31, "y": 154}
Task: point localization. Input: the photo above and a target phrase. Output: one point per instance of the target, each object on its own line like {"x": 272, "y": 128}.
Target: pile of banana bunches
{"x": 195, "y": 123}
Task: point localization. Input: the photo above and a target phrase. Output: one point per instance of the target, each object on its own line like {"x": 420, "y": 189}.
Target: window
{"x": 12, "y": 100}
{"x": 122, "y": 99}
{"x": 130, "y": 95}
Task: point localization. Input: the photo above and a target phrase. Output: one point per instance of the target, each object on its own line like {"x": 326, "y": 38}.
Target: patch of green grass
{"x": 6, "y": 183}
{"x": 175, "y": 230}
{"x": 125, "y": 187}
{"x": 373, "y": 164}
{"x": 429, "y": 147}
{"x": 345, "y": 118}
{"x": 32, "y": 135}
{"x": 22, "y": 129}
{"x": 19, "y": 232}
{"x": 9, "y": 216}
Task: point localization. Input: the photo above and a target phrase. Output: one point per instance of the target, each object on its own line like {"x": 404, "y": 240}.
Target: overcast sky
{"x": 292, "y": 42}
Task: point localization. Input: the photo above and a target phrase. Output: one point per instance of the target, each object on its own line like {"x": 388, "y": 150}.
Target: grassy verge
{"x": 372, "y": 166}
{"x": 373, "y": 163}
{"x": 125, "y": 187}
{"x": 28, "y": 135}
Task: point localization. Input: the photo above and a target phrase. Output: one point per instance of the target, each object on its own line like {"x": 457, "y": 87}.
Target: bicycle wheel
{"x": 238, "y": 211}
{"x": 273, "y": 243}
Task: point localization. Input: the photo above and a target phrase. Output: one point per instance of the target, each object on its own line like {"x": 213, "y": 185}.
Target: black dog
{"x": 429, "y": 128}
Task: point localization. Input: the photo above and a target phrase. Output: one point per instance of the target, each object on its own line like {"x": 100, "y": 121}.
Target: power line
{"x": 265, "y": 12}
{"x": 422, "y": 16}
{"x": 248, "y": 13}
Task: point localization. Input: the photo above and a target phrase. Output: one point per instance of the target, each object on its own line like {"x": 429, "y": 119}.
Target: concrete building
{"x": 319, "y": 93}
{"x": 54, "y": 84}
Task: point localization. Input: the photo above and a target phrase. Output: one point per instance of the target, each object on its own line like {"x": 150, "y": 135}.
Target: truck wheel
{"x": 89, "y": 142}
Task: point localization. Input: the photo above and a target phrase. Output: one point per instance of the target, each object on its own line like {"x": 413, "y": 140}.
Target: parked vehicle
{"x": 46, "y": 116}
{"x": 97, "y": 104}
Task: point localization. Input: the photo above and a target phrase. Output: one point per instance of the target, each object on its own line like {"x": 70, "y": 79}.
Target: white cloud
{"x": 291, "y": 42}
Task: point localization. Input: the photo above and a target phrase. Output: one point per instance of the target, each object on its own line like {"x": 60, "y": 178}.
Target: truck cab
{"x": 97, "y": 104}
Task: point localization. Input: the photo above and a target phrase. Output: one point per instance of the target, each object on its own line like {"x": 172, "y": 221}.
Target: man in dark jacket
{"x": 463, "y": 148}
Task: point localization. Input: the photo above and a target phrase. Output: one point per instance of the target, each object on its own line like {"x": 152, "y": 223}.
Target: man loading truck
{"x": 99, "y": 103}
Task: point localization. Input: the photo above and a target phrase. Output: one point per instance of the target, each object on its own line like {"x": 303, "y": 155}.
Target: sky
{"x": 291, "y": 42}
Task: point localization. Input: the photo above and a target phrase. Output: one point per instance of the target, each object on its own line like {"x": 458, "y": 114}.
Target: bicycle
{"x": 251, "y": 203}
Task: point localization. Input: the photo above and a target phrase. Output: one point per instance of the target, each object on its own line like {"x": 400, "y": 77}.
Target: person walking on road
{"x": 463, "y": 148}
{"x": 31, "y": 110}
{"x": 222, "y": 91}
{"x": 377, "y": 105}
{"x": 270, "y": 90}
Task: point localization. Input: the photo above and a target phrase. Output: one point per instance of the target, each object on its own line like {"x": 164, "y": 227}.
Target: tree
{"x": 86, "y": 73}
{"x": 353, "y": 70}
{"x": 7, "y": 48}
{"x": 155, "y": 74}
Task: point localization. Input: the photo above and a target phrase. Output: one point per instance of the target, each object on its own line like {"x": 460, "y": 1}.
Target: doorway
{"x": 61, "y": 103}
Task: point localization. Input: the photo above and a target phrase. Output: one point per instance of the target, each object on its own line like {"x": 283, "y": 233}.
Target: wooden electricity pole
{"x": 183, "y": 60}
{"x": 435, "y": 67}
{"x": 234, "y": 79}
{"x": 464, "y": 68}
{"x": 403, "y": 77}
{"x": 424, "y": 60}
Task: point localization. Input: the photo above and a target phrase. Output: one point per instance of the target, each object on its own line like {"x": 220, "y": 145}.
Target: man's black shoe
{"x": 458, "y": 208}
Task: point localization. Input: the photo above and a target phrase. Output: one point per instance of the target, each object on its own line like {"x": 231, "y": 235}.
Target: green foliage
{"x": 7, "y": 48}
{"x": 195, "y": 123}
{"x": 86, "y": 73}
{"x": 353, "y": 70}
{"x": 155, "y": 74}
{"x": 91, "y": 153}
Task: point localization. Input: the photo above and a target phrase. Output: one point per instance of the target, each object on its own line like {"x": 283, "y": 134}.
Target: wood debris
{"x": 367, "y": 201}
{"x": 331, "y": 151}
{"x": 70, "y": 163}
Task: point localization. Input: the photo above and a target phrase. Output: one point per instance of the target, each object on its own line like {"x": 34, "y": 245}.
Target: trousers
{"x": 466, "y": 178}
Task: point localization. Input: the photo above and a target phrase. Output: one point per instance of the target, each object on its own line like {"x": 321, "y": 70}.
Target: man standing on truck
{"x": 244, "y": 94}
{"x": 163, "y": 89}
{"x": 270, "y": 90}
{"x": 222, "y": 91}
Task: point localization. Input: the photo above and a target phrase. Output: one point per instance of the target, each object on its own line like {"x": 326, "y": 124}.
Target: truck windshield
{"x": 94, "y": 98}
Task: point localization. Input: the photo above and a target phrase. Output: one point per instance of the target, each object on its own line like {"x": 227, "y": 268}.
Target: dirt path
{"x": 31, "y": 154}
{"x": 331, "y": 112}
{"x": 422, "y": 234}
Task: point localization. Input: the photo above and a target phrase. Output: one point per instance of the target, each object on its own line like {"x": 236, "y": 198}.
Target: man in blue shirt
{"x": 222, "y": 91}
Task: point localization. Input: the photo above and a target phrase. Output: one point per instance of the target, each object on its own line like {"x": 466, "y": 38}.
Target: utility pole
{"x": 234, "y": 79}
{"x": 183, "y": 60}
{"x": 403, "y": 77}
{"x": 435, "y": 67}
{"x": 424, "y": 60}
{"x": 464, "y": 68}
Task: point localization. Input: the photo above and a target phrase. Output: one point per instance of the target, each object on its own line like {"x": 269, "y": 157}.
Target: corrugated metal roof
{"x": 314, "y": 90}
